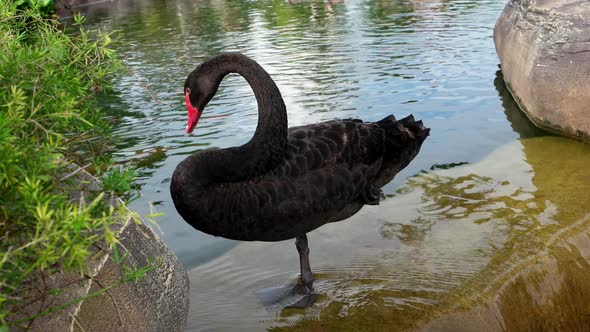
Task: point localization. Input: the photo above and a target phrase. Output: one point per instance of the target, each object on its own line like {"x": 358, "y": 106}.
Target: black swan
{"x": 285, "y": 182}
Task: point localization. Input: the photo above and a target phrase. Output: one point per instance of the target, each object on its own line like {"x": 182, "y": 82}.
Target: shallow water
{"x": 486, "y": 227}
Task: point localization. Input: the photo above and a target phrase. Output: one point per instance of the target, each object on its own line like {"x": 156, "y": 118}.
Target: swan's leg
{"x": 306, "y": 275}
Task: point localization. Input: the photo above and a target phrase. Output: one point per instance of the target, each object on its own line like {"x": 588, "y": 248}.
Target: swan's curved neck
{"x": 267, "y": 146}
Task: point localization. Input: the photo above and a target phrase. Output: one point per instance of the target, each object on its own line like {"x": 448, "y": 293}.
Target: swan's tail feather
{"x": 388, "y": 119}
{"x": 416, "y": 128}
{"x": 404, "y": 130}
{"x": 403, "y": 140}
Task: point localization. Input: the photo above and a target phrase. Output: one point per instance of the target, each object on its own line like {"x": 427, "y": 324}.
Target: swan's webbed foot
{"x": 373, "y": 196}
{"x": 305, "y": 302}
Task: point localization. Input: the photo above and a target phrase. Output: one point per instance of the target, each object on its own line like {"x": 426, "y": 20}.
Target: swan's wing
{"x": 276, "y": 208}
{"x": 347, "y": 143}
{"x": 327, "y": 170}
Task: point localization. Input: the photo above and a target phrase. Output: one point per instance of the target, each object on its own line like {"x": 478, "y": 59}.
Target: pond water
{"x": 487, "y": 227}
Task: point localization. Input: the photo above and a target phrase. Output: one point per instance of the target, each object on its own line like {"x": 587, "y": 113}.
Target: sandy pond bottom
{"x": 502, "y": 244}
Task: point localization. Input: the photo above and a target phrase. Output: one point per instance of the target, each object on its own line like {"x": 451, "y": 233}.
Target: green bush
{"x": 48, "y": 81}
{"x": 45, "y": 7}
{"x": 119, "y": 181}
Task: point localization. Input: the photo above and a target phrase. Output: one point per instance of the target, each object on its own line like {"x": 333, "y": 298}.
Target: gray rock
{"x": 156, "y": 302}
{"x": 544, "y": 50}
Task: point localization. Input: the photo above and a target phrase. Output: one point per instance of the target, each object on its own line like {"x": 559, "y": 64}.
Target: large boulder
{"x": 544, "y": 50}
{"x": 158, "y": 301}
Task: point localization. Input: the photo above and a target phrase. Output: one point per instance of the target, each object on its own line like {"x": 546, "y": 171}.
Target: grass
{"x": 119, "y": 181}
{"x": 44, "y": 7}
{"x": 48, "y": 83}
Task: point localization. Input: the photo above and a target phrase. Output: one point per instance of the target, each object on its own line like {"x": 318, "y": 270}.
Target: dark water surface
{"x": 488, "y": 227}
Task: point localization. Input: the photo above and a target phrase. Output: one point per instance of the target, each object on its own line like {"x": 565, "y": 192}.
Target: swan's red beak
{"x": 193, "y": 115}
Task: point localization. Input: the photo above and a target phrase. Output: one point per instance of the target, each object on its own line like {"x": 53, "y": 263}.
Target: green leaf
{"x": 55, "y": 291}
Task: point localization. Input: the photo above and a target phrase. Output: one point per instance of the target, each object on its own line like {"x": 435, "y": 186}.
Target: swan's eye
{"x": 187, "y": 91}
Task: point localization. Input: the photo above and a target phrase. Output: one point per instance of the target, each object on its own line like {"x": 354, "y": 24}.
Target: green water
{"x": 487, "y": 229}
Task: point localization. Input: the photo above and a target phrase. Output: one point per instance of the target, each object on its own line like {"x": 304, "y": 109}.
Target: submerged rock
{"x": 544, "y": 50}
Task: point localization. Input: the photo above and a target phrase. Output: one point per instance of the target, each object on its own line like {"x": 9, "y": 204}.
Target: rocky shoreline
{"x": 158, "y": 301}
